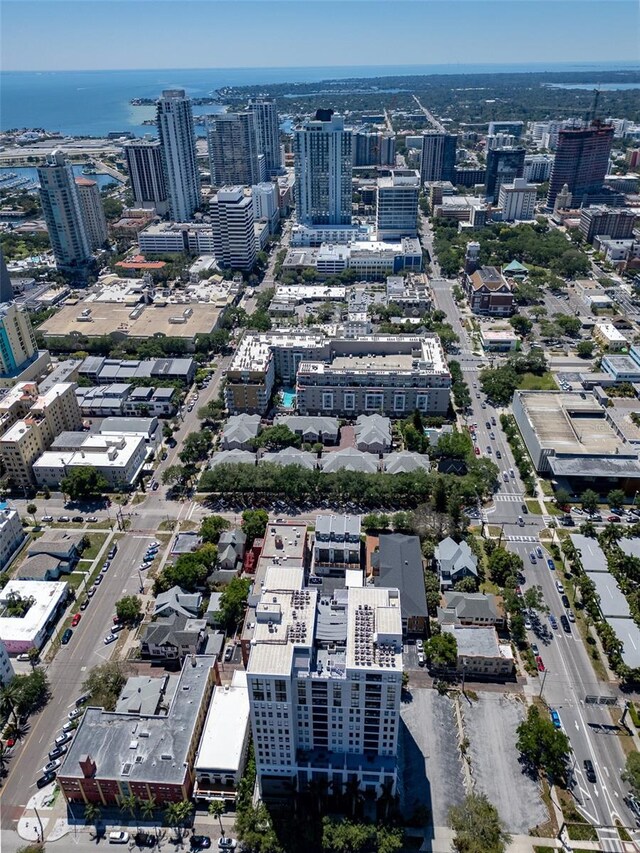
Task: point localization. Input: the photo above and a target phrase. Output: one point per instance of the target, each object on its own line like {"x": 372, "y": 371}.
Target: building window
{"x": 422, "y": 402}
{"x": 398, "y": 402}
{"x": 373, "y": 402}
{"x": 327, "y": 400}
{"x": 349, "y": 401}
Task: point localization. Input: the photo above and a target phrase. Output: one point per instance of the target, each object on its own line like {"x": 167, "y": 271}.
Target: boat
{"x": 10, "y": 176}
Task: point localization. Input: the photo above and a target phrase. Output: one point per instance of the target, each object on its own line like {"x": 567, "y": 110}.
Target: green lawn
{"x": 582, "y": 832}
{"x": 97, "y": 541}
{"x": 533, "y": 506}
{"x": 531, "y": 382}
{"x": 75, "y": 579}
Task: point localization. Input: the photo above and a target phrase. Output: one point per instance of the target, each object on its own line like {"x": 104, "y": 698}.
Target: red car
{"x": 613, "y": 519}
{"x": 10, "y": 741}
{"x": 76, "y": 619}
{"x": 477, "y": 451}
{"x": 539, "y": 663}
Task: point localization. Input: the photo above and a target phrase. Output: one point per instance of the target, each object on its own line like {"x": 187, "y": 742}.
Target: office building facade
{"x": 373, "y": 148}
{"x": 95, "y": 222}
{"x": 537, "y": 167}
{"x": 233, "y": 232}
{"x": 267, "y": 127}
{"x": 266, "y": 206}
{"x": 146, "y": 173}
{"x": 504, "y": 165}
{"x": 233, "y": 150}
{"x": 323, "y": 168}
{"x": 178, "y": 146}
{"x": 438, "y": 157}
{"x": 581, "y": 162}
{"x": 63, "y": 216}
{"x": 397, "y": 205}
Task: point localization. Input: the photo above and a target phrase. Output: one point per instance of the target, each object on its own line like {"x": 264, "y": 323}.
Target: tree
{"x": 585, "y": 349}
{"x": 148, "y": 808}
{"x": 277, "y": 437}
{"x": 174, "y": 475}
{"x": 92, "y": 815}
{"x": 631, "y": 773}
{"x": 189, "y": 571}
{"x": 478, "y": 826}
{"x": 233, "y": 601}
{"x": 195, "y": 447}
{"x": 522, "y": 325}
{"x": 589, "y": 500}
{"x": 129, "y": 609}
{"x": 128, "y": 803}
{"x": 177, "y": 814}
{"x": 105, "y": 682}
{"x": 31, "y": 510}
{"x": 616, "y": 498}
{"x": 562, "y": 497}
{"x": 84, "y": 482}
{"x": 254, "y": 524}
{"x": 33, "y": 692}
{"x": 442, "y": 651}
{"x": 211, "y": 528}
{"x": 468, "y": 584}
{"x": 543, "y": 745}
{"x": 533, "y": 599}
{"x": 504, "y": 566}
{"x": 217, "y": 809}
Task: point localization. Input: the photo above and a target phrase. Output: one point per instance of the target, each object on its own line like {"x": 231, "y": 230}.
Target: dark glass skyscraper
{"x": 582, "y": 157}
{"x": 503, "y": 166}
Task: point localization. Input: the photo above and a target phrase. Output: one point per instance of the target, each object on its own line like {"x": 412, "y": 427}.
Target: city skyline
{"x": 38, "y": 36}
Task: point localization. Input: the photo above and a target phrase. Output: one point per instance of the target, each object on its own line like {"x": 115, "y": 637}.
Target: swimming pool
{"x": 288, "y": 398}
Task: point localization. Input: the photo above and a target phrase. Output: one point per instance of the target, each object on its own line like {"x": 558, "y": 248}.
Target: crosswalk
{"x": 516, "y": 538}
{"x": 507, "y": 498}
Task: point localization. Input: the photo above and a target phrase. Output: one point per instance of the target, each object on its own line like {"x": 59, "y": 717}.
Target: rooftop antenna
{"x": 594, "y": 108}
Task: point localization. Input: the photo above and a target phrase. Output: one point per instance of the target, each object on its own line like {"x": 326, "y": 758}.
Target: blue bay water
{"x": 95, "y": 103}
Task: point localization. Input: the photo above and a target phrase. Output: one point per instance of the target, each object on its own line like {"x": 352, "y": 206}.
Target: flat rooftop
{"x": 143, "y": 747}
{"x": 592, "y": 556}
{"x": 224, "y": 734}
{"x": 46, "y": 596}
{"x": 569, "y": 423}
{"x": 374, "y": 629}
{"x": 628, "y": 633}
{"x": 142, "y": 321}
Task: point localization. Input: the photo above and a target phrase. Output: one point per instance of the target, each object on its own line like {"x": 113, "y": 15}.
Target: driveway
{"x": 490, "y": 726}
{"x": 430, "y": 764}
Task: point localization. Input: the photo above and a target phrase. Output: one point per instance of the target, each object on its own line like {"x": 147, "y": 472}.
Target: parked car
{"x": 76, "y": 618}
{"x": 145, "y": 839}
{"x": 118, "y": 837}
{"x": 535, "y": 649}
{"x": 539, "y": 663}
{"x": 228, "y": 655}
{"x": 539, "y": 552}
{"x": 85, "y": 604}
{"x": 92, "y": 519}
{"x": 422, "y": 659}
{"x": 226, "y": 843}
{"x": 47, "y": 518}
{"x": 200, "y": 842}
{"x": 110, "y": 638}
{"x": 45, "y": 780}
{"x": 559, "y": 587}
{"x": 68, "y": 634}
{"x": 614, "y": 519}
{"x": 57, "y": 751}
{"x": 553, "y": 621}
{"x": 98, "y": 581}
{"x": 570, "y": 616}
{"x": 78, "y": 519}
{"x": 565, "y": 601}
{"x": 555, "y": 718}
{"x": 63, "y": 519}
{"x": 51, "y": 766}
{"x": 551, "y": 564}
{"x": 477, "y": 451}
{"x": 65, "y": 737}
{"x": 91, "y": 592}
{"x": 155, "y": 487}
{"x": 524, "y": 508}
{"x": 77, "y": 712}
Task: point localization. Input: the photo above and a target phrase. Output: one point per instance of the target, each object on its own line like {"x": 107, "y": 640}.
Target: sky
{"x": 44, "y": 35}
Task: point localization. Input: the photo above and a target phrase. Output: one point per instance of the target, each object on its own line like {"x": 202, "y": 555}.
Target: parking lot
{"x": 490, "y": 726}
{"x": 429, "y": 759}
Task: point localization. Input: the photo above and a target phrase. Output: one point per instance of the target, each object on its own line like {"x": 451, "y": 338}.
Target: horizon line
{"x": 587, "y": 64}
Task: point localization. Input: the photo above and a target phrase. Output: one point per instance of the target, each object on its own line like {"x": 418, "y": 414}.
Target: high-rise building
{"x": 178, "y": 146}
{"x": 397, "y": 205}
{"x": 6, "y": 288}
{"x": 514, "y": 128}
{"x": 63, "y": 215}
{"x": 267, "y": 124}
{"x": 266, "y": 203}
{"x": 323, "y": 167}
{"x": 146, "y": 173}
{"x": 18, "y": 346}
{"x": 331, "y": 666}
{"x": 537, "y": 167}
{"x": 606, "y": 222}
{"x": 504, "y": 165}
{"x": 232, "y": 225}
{"x": 373, "y": 148}
{"x": 95, "y": 222}
{"x": 438, "y": 158}
{"x": 233, "y": 150}
{"x": 517, "y": 200}
{"x": 582, "y": 159}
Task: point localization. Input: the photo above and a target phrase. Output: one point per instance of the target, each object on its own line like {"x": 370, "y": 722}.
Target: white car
{"x": 421, "y": 658}
{"x": 110, "y": 638}
{"x": 559, "y": 587}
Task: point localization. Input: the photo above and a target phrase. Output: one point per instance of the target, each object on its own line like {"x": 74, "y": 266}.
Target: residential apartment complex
{"x": 18, "y": 346}
{"x": 95, "y": 222}
{"x": 341, "y": 377}
{"x": 324, "y": 679}
{"x": 336, "y": 547}
{"x": 233, "y": 150}
{"x": 174, "y": 117}
{"x": 600, "y": 221}
{"x": 267, "y": 128}
{"x": 517, "y": 200}
{"x": 146, "y": 173}
{"x": 64, "y": 217}
{"x": 30, "y": 421}
{"x": 323, "y": 166}
{"x": 11, "y": 534}
{"x": 438, "y": 156}
{"x": 373, "y": 148}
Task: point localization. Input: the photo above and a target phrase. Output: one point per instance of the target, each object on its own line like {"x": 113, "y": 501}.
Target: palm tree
{"x": 92, "y": 814}
{"x": 217, "y": 809}
{"x": 4, "y": 758}
{"x": 148, "y": 808}
{"x": 16, "y": 729}
{"x": 128, "y": 803}
{"x": 354, "y": 795}
{"x": 177, "y": 814}
{"x": 386, "y": 798}
{"x": 31, "y": 510}
{"x": 9, "y": 697}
